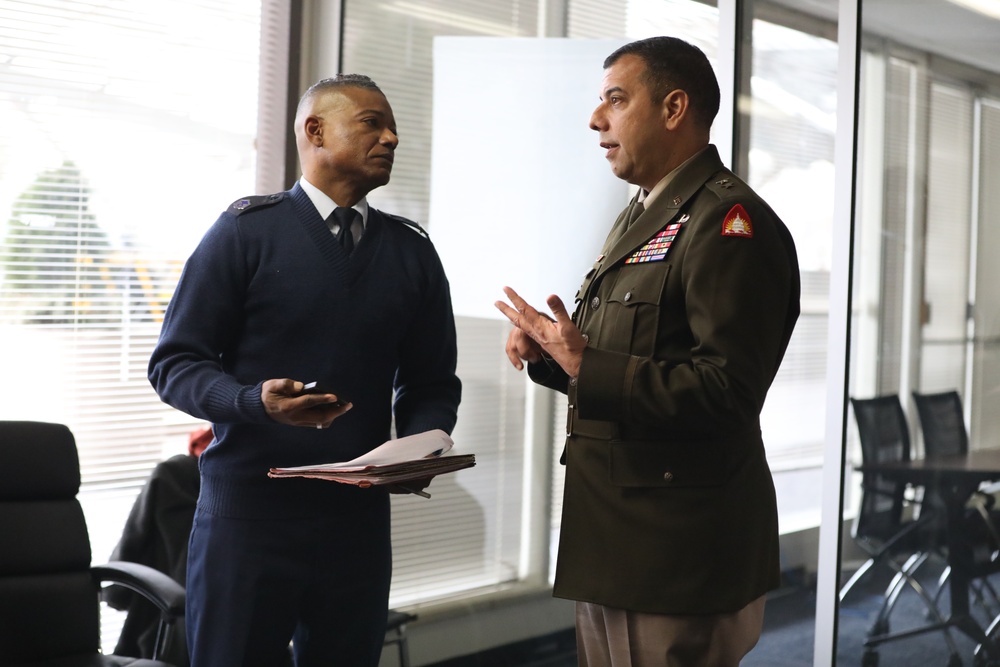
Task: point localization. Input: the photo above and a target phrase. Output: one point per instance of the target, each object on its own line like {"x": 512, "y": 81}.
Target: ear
{"x": 313, "y": 128}
{"x": 675, "y": 108}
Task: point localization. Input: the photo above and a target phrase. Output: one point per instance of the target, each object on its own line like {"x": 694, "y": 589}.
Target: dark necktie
{"x": 345, "y": 217}
{"x": 636, "y": 212}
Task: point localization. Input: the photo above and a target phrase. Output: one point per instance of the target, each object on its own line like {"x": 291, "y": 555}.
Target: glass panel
{"x": 125, "y": 129}
{"x": 472, "y": 542}
{"x": 923, "y": 249}
{"x": 786, "y": 128}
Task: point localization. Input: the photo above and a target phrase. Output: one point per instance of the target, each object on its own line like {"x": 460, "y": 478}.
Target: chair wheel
{"x": 869, "y": 658}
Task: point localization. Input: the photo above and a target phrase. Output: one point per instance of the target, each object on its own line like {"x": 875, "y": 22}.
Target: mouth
{"x": 385, "y": 157}
{"x": 610, "y": 148}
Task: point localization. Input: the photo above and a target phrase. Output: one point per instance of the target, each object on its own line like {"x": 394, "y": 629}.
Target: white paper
{"x": 410, "y": 448}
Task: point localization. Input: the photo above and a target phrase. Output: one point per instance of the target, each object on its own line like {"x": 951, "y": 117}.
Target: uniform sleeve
{"x": 740, "y": 300}
{"x": 201, "y": 322}
{"x": 428, "y": 390}
{"x": 548, "y": 373}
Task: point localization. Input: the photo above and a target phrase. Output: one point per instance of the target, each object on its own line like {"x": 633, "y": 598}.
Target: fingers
{"x": 558, "y": 309}
{"x": 508, "y": 312}
{"x": 520, "y": 307}
{"x": 285, "y": 403}
{"x": 321, "y": 417}
{"x": 512, "y": 355}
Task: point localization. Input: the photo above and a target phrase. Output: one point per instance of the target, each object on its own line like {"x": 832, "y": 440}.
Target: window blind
{"x": 468, "y": 542}
{"x": 125, "y": 129}
{"x": 947, "y": 231}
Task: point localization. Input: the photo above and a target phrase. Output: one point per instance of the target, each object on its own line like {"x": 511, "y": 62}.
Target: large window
{"x": 924, "y": 293}
{"x": 789, "y": 125}
{"x": 125, "y": 129}
{"x": 473, "y": 541}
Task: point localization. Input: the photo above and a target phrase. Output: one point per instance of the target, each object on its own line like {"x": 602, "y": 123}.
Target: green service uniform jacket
{"x": 669, "y": 505}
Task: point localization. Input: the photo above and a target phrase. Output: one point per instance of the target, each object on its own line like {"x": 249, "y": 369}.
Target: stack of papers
{"x": 413, "y": 457}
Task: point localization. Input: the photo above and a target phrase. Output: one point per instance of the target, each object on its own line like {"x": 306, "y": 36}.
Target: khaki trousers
{"x": 607, "y": 637}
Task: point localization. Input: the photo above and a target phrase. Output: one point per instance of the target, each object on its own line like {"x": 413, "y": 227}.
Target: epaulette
{"x": 241, "y": 206}
{"x": 727, "y": 187}
{"x": 409, "y": 223}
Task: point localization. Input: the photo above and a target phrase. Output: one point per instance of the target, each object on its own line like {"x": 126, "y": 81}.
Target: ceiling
{"x": 935, "y": 26}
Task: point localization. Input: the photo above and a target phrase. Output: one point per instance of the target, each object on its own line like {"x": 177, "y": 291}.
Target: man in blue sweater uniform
{"x": 311, "y": 284}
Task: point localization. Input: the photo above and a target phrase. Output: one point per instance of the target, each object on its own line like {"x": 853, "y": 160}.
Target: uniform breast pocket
{"x": 633, "y": 309}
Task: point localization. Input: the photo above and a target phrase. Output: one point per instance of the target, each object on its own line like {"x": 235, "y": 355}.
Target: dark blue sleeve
{"x": 201, "y": 322}
{"x": 428, "y": 390}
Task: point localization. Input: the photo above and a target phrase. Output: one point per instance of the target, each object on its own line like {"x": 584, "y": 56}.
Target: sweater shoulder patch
{"x": 409, "y": 223}
{"x": 241, "y": 206}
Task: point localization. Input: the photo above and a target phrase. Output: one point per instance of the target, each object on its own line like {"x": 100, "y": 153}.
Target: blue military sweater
{"x": 269, "y": 293}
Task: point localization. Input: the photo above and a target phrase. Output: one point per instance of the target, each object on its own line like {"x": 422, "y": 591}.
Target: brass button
{"x": 628, "y": 296}
{"x": 668, "y": 477}
{"x": 595, "y": 303}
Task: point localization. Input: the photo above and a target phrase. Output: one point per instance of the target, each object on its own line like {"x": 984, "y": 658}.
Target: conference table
{"x": 955, "y": 478}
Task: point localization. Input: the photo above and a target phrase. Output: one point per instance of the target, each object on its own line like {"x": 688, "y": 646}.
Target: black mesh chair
{"x": 891, "y": 536}
{"x": 942, "y": 423}
{"x": 49, "y": 592}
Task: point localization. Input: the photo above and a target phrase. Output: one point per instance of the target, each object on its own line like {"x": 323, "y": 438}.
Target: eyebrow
{"x": 612, "y": 89}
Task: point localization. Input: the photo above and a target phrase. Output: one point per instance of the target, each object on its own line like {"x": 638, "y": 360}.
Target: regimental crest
{"x": 737, "y": 223}
{"x": 656, "y": 248}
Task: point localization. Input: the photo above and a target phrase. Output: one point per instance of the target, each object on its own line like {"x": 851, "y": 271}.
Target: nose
{"x": 598, "y": 121}
{"x": 389, "y": 138}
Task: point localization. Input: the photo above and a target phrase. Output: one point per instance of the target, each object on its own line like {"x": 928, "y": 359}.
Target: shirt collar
{"x": 647, "y": 198}
{"x": 324, "y": 205}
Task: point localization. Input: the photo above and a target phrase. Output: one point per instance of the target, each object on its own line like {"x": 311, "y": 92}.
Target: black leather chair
{"x": 49, "y": 592}
{"x": 891, "y": 536}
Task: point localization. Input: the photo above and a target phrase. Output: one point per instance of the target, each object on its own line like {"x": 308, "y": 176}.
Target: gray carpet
{"x": 788, "y": 637}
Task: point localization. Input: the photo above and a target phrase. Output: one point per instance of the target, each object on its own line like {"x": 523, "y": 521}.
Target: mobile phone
{"x": 319, "y": 388}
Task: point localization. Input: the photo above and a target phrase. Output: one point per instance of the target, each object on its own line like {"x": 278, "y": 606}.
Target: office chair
{"x": 880, "y": 527}
{"x": 396, "y": 634}
{"x": 943, "y": 426}
{"x": 156, "y": 534}
{"x": 49, "y": 606}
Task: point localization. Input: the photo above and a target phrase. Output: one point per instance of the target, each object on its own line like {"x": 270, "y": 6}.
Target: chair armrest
{"x": 155, "y": 586}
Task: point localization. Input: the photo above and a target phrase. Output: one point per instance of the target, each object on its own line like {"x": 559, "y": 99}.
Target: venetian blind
{"x": 125, "y": 129}
{"x": 467, "y": 540}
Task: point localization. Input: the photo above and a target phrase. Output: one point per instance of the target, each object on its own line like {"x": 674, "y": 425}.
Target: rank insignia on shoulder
{"x": 248, "y": 203}
{"x": 737, "y": 223}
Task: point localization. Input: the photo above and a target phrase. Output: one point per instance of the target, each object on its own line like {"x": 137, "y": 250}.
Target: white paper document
{"x": 413, "y": 457}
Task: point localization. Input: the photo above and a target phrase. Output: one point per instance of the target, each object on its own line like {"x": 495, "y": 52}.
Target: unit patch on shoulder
{"x": 256, "y": 201}
{"x": 737, "y": 223}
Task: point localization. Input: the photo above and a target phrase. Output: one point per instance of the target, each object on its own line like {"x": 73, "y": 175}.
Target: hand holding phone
{"x": 319, "y": 388}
